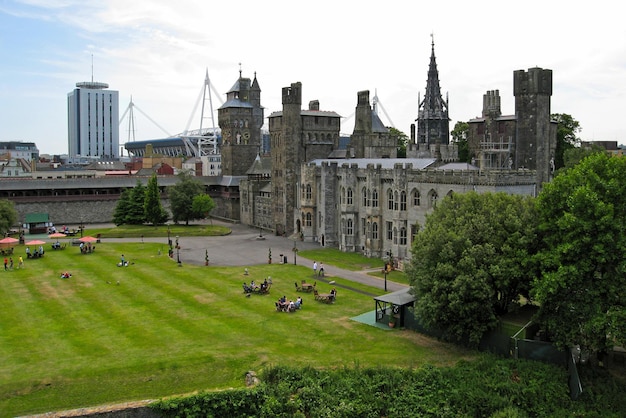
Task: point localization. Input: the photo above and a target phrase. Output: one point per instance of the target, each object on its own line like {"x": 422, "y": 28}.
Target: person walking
{"x": 6, "y": 264}
{"x": 314, "y": 268}
{"x": 20, "y": 262}
{"x": 321, "y": 269}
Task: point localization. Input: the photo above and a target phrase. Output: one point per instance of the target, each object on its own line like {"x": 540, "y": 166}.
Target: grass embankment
{"x": 164, "y": 329}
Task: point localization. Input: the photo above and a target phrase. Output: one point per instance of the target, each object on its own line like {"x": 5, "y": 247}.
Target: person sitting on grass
{"x": 66, "y": 275}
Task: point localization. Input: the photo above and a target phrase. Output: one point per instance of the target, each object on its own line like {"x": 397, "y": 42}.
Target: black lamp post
{"x": 385, "y": 271}
{"x": 177, "y": 252}
{"x": 169, "y": 240}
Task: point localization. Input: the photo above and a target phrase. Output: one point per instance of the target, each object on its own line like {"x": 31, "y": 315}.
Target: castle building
{"x": 525, "y": 140}
{"x": 93, "y": 121}
{"x": 366, "y": 200}
{"x": 296, "y": 136}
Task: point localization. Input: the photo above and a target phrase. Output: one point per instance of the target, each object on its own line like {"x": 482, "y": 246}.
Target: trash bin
{"x": 285, "y": 259}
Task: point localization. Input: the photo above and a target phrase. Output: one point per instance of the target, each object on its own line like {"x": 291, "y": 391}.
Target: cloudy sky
{"x": 159, "y": 51}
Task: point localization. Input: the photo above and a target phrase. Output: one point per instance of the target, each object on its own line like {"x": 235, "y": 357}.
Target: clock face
{"x": 246, "y": 135}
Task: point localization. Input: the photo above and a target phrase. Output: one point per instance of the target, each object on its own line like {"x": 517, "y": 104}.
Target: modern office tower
{"x": 93, "y": 121}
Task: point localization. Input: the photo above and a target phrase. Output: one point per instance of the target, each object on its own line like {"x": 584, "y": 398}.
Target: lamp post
{"x": 295, "y": 251}
{"x": 177, "y": 251}
{"x": 169, "y": 240}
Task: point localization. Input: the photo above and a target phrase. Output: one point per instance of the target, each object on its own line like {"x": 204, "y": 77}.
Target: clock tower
{"x": 240, "y": 120}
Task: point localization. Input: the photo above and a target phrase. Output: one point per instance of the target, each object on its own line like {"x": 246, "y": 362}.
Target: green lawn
{"x": 164, "y": 329}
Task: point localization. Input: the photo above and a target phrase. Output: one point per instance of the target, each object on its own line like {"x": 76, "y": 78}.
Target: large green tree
{"x": 582, "y": 288}
{"x": 459, "y": 136}
{"x": 472, "y": 261}
{"x": 181, "y": 197}
{"x": 202, "y": 205}
{"x": 154, "y": 212}
{"x": 402, "y": 140}
{"x": 8, "y": 216}
{"x": 121, "y": 209}
{"x": 135, "y": 214}
{"x": 566, "y": 136}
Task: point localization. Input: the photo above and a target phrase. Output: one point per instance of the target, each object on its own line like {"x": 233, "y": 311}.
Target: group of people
{"x": 8, "y": 263}
{"x": 318, "y": 270}
{"x": 38, "y": 252}
{"x": 288, "y": 306}
{"x": 88, "y": 248}
{"x": 253, "y": 287}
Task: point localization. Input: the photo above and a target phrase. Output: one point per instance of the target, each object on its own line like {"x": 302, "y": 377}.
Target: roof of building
{"x": 399, "y": 297}
{"x": 308, "y": 112}
{"x": 458, "y": 166}
{"x": 261, "y": 166}
{"x": 386, "y": 163}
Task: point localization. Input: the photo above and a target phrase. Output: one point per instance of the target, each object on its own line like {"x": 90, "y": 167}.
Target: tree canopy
{"x": 8, "y": 215}
{"x": 403, "y": 140}
{"x": 459, "y": 136}
{"x": 153, "y": 210}
{"x": 582, "y": 289}
{"x": 566, "y": 138}
{"x": 182, "y": 195}
{"x": 472, "y": 260}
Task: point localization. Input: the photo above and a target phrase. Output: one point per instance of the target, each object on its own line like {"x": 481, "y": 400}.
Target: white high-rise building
{"x": 93, "y": 121}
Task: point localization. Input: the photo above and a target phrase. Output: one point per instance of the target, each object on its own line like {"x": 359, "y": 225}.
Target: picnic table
{"x": 325, "y": 297}
{"x": 305, "y": 287}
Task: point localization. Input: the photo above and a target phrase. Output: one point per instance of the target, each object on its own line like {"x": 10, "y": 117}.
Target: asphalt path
{"x": 247, "y": 246}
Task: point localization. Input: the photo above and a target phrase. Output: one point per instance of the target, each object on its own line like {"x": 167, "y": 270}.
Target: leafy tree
{"x": 121, "y": 209}
{"x": 582, "y": 289}
{"x": 154, "y": 212}
{"x": 472, "y": 261}
{"x": 403, "y": 140}
{"x": 202, "y": 205}
{"x": 566, "y": 138}
{"x": 182, "y": 195}
{"x": 8, "y": 215}
{"x": 459, "y": 136}
{"x": 575, "y": 155}
{"x": 135, "y": 214}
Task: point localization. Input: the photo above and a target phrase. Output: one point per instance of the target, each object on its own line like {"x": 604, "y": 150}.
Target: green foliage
{"x": 181, "y": 197}
{"x": 472, "y": 260}
{"x": 122, "y": 207}
{"x": 8, "y": 216}
{"x": 202, "y": 205}
{"x": 135, "y": 214}
{"x": 154, "y": 211}
{"x": 575, "y": 155}
{"x": 566, "y": 139}
{"x": 459, "y": 136}
{"x": 582, "y": 289}
{"x": 487, "y": 387}
{"x": 402, "y": 139}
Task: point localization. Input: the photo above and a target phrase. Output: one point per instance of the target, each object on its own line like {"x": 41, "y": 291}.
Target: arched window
{"x": 390, "y": 199}
{"x": 349, "y": 202}
{"x": 402, "y": 200}
{"x": 395, "y": 201}
{"x": 433, "y": 198}
{"x": 308, "y": 192}
{"x": 375, "y": 198}
{"x": 364, "y": 196}
{"x": 415, "y": 197}
{"x": 308, "y": 222}
{"x": 302, "y": 190}
{"x": 375, "y": 230}
{"x": 350, "y": 227}
{"x": 403, "y": 236}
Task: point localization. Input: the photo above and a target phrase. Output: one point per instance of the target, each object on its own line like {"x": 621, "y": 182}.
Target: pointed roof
{"x": 433, "y": 104}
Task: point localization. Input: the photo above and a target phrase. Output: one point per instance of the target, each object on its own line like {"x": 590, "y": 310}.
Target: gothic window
{"x": 390, "y": 199}
{"x": 302, "y": 188}
{"x": 369, "y": 198}
{"x": 308, "y": 192}
{"x": 395, "y": 201}
{"x": 389, "y": 231}
{"x": 402, "y": 200}
{"x": 415, "y": 197}
{"x": 350, "y": 227}
{"x": 432, "y": 197}
{"x": 403, "y": 236}
{"x": 308, "y": 220}
{"x": 349, "y": 196}
{"x": 375, "y": 198}
{"x": 364, "y": 196}
{"x": 375, "y": 230}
